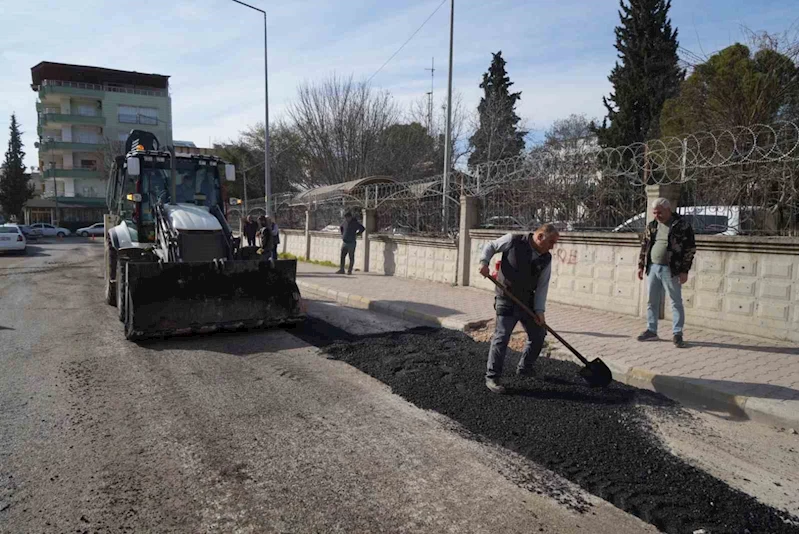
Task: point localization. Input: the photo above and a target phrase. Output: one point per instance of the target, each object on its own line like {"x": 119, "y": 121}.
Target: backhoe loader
{"x": 172, "y": 263}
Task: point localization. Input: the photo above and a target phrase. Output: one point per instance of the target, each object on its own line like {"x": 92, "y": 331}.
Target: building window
{"x": 86, "y": 137}
{"x": 88, "y": 164}
{"x": 87, "y": 110}
{"x": 138, "y": 115}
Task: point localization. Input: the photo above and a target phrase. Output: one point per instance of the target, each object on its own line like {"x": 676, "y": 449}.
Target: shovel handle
{"x": 529, "y": 312}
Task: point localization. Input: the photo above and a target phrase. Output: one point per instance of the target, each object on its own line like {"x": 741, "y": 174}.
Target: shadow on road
{"x": 666, "y": 384}
{"x": 36, "y": 251}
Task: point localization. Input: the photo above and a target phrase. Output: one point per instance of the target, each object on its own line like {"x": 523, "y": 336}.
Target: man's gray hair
{"x": 548, "y": 229}
{"x": 661, "y": 203}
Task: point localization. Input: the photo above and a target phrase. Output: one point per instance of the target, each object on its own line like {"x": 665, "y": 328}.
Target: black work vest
{"x": 519, "y": 270}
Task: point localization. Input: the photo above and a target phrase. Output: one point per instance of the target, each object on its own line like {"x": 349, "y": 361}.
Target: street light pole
{"x": 267, "y": 178}
{"x": 244, "y": 174}
{"x": 448, "y": 135}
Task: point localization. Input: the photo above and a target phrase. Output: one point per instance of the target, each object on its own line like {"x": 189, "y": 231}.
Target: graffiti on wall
{"x": 568, "y": 257}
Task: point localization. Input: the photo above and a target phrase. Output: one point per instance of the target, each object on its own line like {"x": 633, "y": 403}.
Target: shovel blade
{"x": 596, "y": 373}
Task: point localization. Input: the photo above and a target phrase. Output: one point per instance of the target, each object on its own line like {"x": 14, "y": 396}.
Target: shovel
{"x": 595, "y": 372}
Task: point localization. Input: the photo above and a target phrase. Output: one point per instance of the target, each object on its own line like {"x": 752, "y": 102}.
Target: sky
{"x": 558, "y": 52}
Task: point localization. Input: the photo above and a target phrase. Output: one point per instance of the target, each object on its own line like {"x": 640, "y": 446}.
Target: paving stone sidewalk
{"x": 736, "y": 375}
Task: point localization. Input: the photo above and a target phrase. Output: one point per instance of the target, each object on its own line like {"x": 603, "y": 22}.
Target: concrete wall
{"x": 737, "y": 284}
{"x": 292, "y": 242}
{"x": 742, "y": 284}
{"x": 326, "y": 246}
{"x": 414, "y": 257}
{"x": 588, "y": 269}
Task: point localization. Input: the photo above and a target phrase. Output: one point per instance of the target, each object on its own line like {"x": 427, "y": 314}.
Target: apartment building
{"x": 188, "y": 147}
{"x": 85, "y": 115}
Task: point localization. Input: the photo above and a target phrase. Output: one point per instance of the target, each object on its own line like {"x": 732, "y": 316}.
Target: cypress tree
{"x": 14, "y": 187}
{"x": 498, "y": 136}
{"x": 646, "y": 75}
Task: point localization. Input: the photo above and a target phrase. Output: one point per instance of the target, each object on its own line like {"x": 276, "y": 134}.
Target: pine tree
{"x": 647, "y": 75}
{"x": 498, "y": 135}
{"x": 14, "y": 187}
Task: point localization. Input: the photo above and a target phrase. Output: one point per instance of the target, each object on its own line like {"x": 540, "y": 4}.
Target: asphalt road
{"x": 246, "y": 432}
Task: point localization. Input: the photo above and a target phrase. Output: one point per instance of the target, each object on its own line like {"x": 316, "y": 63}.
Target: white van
{"x": 713, "y": 220}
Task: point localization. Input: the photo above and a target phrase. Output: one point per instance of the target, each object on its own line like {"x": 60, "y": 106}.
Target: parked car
{"x": 31, "y": 234}
{"x": 399, "y": 229}
{"x": 332, "y": 228}
{"x": 12, "y": 239}
{"x": 95, "y": 229}
{"x": 713, "y": 220}
{"x": 48, "y": 230}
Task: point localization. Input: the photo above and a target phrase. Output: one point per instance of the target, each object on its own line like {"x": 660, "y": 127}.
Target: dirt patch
{"x": 517, "y": 339}
{"x": 597, "y": 438}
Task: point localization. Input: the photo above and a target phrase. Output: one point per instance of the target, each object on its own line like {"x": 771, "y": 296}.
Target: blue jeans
{"x": 508, "y": 314}
{"x": 658, "y": 280}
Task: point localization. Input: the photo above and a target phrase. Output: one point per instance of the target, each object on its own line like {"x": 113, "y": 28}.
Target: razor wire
{"x": 658, "y": 161}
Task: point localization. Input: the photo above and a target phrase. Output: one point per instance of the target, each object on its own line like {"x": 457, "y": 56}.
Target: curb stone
{"x": 689, "y": 391}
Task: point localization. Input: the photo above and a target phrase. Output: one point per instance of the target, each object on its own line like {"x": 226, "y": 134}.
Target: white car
{"x": 95, "y": 229}
{"x": 712, "y": 220}
{"x": 48, "y": 230}
{"x": 12, "y": 239}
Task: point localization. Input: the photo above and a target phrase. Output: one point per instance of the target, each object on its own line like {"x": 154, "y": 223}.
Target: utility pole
{"x": 432, "y": 70}
{"x": 448, "y": 136}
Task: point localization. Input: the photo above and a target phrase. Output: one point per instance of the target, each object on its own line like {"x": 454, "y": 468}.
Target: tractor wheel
{"x": 121, "y": 289}
{"x": 130, "y": 334}
{"x": 111, "y": 282}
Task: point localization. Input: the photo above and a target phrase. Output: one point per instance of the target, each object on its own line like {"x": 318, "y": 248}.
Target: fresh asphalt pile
{"x": 597, "y": 438}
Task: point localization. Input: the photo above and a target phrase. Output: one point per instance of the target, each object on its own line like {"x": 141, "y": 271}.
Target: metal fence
{"x": 737, "y": 181}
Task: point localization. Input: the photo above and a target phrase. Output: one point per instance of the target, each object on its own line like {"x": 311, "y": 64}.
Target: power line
{"x": 408, "y": 41}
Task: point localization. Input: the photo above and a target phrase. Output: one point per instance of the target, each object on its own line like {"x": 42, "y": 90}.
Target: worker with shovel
{"x": 525, "y": 271}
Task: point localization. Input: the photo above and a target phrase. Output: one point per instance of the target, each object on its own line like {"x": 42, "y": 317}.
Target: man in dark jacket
{"x": 667, "y": 253}
{"x": 349, "y": 231}
{"x": 250, "y": 229}
{"x": 525, "y": 270}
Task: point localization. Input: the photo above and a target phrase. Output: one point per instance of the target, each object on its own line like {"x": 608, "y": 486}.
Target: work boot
{"x": 527, "y": 372}
{"x": 494, "y": 386}
{"x": 340, "y": 271}
{"x": 678, "y": 341}
{"x": 648, "y": 335}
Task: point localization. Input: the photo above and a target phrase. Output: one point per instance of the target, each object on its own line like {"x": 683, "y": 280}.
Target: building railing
{"x": 129, "y": 118}
{"x": 105, "y": 87}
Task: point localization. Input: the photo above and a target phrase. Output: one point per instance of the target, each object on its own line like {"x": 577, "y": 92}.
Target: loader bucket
{"x": 176, "y": 298}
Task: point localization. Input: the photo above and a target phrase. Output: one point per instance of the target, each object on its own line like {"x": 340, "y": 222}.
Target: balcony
{"x": 73, "y": 118}
{"x": 93, "y": 90}
{"x": 55, "y": 143}
{"x": 72, "y": 173}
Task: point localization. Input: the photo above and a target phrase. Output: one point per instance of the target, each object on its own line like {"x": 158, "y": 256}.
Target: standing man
{"x": 265, "y": 235}
{"x": 275, "y": 238}
{"x": 349, "y": 231}
{"x": 667, "y": 253}
{"x": 525, "y": 270}
{"x": 250, "y": 229}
